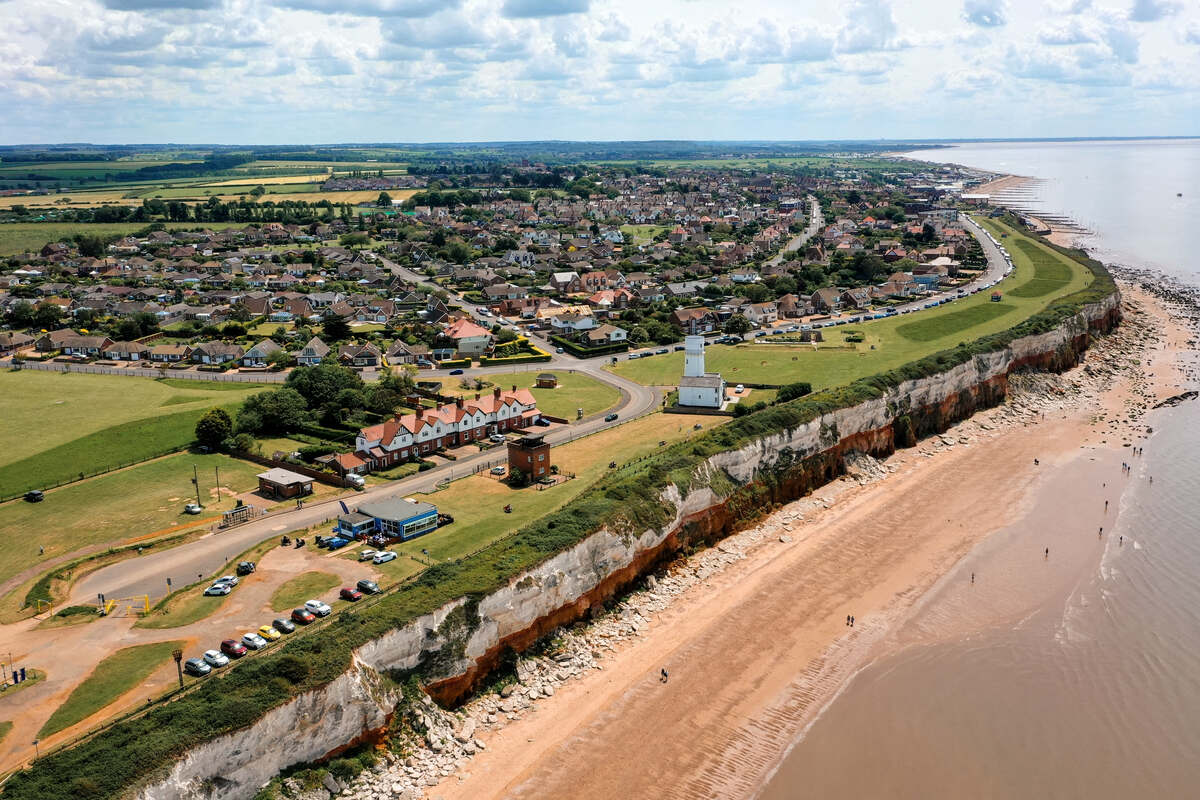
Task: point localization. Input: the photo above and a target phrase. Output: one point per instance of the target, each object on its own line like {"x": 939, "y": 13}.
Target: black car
{"x": 245, "y": 567}
{"x": 35, "y": 496}
{"x": 283, "y": 625}
{"x": 368, "y": 587}
{"x": 610, "y": 418}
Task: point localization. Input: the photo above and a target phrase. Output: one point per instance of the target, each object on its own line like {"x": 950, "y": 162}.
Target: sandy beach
{"x": 755, "y": 649}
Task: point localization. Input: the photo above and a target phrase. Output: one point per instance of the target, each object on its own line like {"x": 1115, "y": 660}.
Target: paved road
{"x": 148, "y": 574}
{"x": 815, "y": 222}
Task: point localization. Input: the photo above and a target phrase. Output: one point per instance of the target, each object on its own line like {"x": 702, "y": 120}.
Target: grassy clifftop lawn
{"x": 133, "y": 750}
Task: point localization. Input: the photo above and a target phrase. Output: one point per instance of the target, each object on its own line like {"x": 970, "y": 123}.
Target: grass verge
{"x": 304, "y": 586}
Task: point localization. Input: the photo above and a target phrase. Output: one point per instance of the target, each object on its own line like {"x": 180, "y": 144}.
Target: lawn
{"x": 5, "y": 727}
{"x": 117, "y": 507}
{"x": 477, "y": 503}
{"x": 890, "y": 342}
{"x": 121, "y": 672}
{"x": 19, "y": 237}
{"x": 1052, "y": 269}
{"x": 88, "y": 423}
{"x": 575, "y": 390}
{"x": 305, "y": 586}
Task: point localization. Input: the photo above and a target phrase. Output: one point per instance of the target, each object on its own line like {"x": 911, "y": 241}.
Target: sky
{"x": 313, "y": 71}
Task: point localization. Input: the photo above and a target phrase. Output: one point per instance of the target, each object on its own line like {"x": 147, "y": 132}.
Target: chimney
{"x": 496, "y": 393}
{"x": 458, "y": 402}
{"x": 420, "y": 411}
{"x": 477, "y": 395}
{"x": 514, "y": 387}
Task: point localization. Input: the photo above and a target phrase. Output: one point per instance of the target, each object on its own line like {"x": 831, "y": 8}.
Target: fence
{"x": 157, "y": 372}
{"x": 324, "y": 477}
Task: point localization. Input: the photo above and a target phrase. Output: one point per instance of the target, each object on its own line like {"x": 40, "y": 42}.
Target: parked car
{"x": 383, "y": 557}
{"x": 337, "y": 543}
{"x": 268, "y": 633}
{"x": 35, "y": 496}
{"x": 368, "y": 587}
{"x": 611, "y": 418}
{"x": 233, "y": 648}
{"x": 741, "y": 387}
{"x": 215, "y": 658}
{"x": 253, "y": 641}
{"x": 679, "y": 348}
{"x": 303, "y": 616}
{"x": 661, "y": 351}
{"x": 218, "y": 590}
{"x": 192, "y": 508}
{"x": 229, "y": 579}
{"x": 282, "y": 625}
{"x": 456, "y": 372}
{"x": 496, "y": 437}
{"x": 497, "y": 470}
{"x": 196, "y": 666}
{"x": 353, "y": 595}
{"x": 366, "y": 555}
{"x": 318, "y": 608}
{"x": 246, "y": 567}
{"x": 559, "y": 350}
{"x": 357, "y": 481}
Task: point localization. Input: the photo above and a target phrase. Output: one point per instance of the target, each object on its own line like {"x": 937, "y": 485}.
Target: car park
{"x": 319, "y": 608}
{"x": 367, "y": 587}
{"x": 366, "y": 555}
{"x": 196, "y": 666}
{"x": 302, "y": 616}
{"x": 269, "y": 633}
{"x": 353, "y": 595}
{"x": 384, "y": 557}
{"x": 215, "y": 658}
{"x": 218, "y": 590}
{"x": 233, "y": 648}
{"x": 253, "y": 641}
{"x": 282, "y": 625}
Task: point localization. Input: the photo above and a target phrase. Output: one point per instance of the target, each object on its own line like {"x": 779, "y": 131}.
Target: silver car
{"x": 254, "y": 641}
{"x": 215, "y": 658}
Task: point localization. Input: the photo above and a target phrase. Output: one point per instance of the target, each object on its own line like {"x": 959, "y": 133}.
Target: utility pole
{"x": 196, "y": 483}
{"x": 218, "y": 471}
{"x": 178, "y": 655}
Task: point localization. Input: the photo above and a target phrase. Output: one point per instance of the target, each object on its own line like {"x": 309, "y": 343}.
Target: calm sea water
{"x": 1086, "y": 684}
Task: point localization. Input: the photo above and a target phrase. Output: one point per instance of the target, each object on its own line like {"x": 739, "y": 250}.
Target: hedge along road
{"x": 148, "y": 574}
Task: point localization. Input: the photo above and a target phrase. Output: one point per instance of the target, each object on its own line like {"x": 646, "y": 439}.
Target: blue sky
{"x": 295, "y": 71}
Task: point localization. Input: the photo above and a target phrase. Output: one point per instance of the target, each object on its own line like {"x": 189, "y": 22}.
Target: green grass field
{"x": 113, "y": 677}
{"x": 118, "y": 506}
{"x": 58, "y": 425}
{"x": 896, "y": 340}
{"x": 575, "y": 390}
{"x": 305, "y": 586}
{"x": 18, "y": 237}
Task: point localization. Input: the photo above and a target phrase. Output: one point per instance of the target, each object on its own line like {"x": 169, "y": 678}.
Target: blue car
{"x": 456, "y": 372}
{"x": 336, "y": 542}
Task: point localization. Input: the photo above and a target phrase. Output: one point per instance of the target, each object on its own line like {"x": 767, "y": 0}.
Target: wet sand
{"x": 759, "y": 648}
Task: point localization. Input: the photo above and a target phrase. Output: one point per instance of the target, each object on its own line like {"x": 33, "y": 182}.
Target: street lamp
{"x": 178, "y": 654}
{"x": 36, "y": 753}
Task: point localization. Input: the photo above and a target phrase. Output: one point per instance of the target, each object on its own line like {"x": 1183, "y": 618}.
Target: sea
{"x": 1086, "y": 684}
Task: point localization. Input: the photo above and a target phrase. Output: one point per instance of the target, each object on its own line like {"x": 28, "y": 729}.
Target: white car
{"x": 192, "y": 508}
{"x": 232, "y": 580}
{"x": 366, "y": 555}
{"x": 319, "y": 608}
{"x": 739, "y": 388}
{"x": 215, "y": 658}
{"x": 384, "y": 557}
{"x": 254, "y": 641}
{"x": 218, "y": 590}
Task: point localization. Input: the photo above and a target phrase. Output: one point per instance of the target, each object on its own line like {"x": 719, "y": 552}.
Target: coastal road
{"x": 148, "y": 574}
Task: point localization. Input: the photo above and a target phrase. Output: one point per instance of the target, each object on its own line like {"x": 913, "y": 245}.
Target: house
{"x": 360, "y": 355}
{"x": 76, "y": 345}
{"x": 260, "y": 354}
{"x": 605, "y": 334}
{"x": 825, "y": 300}
{"x": 281, "y": 484}
{"x": 170, "y": 353}
{"x": 693, "y": 321}
{"x": 859, "y": 297}
{"x": 409, "y": 436}
{"x": 54, "y": 340}
{"x": 566, "y": 282}
{"x": 469, "y": 339}
{"x": 391, "y": 517}
{"x": 126, "y": 351}
{"x": 216, "y": 353}
{"x": 570, "y": 324}
{"x": 530, "y": 455}
{"x": 761, "y": 313}
{"x": 312, "y": 353}
{"x": 12, "y": 342}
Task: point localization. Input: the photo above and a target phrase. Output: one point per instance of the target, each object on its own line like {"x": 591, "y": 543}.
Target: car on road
{"x": 283, "y": 625}
{"x": 192, "y": 508}
{"x": 384, "y": 557}
{"x": 196, "y": 666}
{"x": 366, "y": 555}
{"x": 661, "y": 352}
{"x": 367, "y": 587}
{"x": 35, "y": 496}
{"x": 253, "y": 641}
{"x": 229, "y": 579}
{"x": 233, "y": 648}
{"x": 246, "y": 567}
{"x": 319, "y": 608}
{"x": 456, "y": 372}
{"x": 269, "y": 633}
{"x": 215, "y": 658}
{"x": 353, "y": 595}
{"x": 679, "y": 348}
{"x": 218, "y": 590}
{"x": 302, "y": 616}
{"x": 611, "y": 418}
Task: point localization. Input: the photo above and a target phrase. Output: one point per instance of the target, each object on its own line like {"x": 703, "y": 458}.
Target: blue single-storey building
{"x": 395, "y": 518}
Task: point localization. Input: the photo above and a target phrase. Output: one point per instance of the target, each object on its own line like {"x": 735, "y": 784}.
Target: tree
{"x": 384, "y": 200}
{"x": 20, "y": 315}
{"x": 213, "y": 427}
{"x": 320, "y": 384}
{"x": 258, "y": 191}
{"x": 335, "y": 328}
{"x": 738, "y": 325}
{"x": 279, "y": 411}
{"x": 91, "y": 246}
{"x": 354, "y": 240}
{"x": 47, "y": 315}
{"x": 791, "y": 391}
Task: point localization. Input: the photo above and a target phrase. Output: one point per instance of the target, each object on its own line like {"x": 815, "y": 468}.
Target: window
{"x": 541, "y": 456}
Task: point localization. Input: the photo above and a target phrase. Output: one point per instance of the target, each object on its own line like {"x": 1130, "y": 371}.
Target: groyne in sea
{"x": 456, "y": 647}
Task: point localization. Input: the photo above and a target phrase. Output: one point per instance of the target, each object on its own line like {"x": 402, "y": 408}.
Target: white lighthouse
{"x": 699, "y": 388}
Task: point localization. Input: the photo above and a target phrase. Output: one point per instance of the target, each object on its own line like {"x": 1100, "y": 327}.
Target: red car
{"x": 303, "y": 616}
{"x": 353, "y": 595}
{"x": 233, "y": 648}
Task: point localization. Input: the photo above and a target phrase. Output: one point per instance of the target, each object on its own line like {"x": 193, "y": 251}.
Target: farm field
{"x": 18, "y": 237}
{"x": 575, "y": 390}
{"x": 119, "y": 507}
{"x": 897, "y": 340}
{"x": 477, "y": 503}
{"x": 112, "y": 677}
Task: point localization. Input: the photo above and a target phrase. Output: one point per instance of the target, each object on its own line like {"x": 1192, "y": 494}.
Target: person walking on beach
{"x": 1105, "y": 506}
{"x": 663, "y": 676}
{"x": 851, "y": 620}
{"x": 847, "y": 620}
{"x": 972, "y": 578}
{"x": 1047, "y": 553}
{"x": 1101, "y": 533}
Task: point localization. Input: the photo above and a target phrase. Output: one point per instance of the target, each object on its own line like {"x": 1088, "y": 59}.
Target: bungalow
{"x": 260, "y": 354}
{"x": 312, "y": 353}
{"x": 12, "y": 342}
{"x": 126, "y": 351}
{"x": 605, "y": 334}
{"x": 216, "y": 353}
{"x": 360, "y": 355}
{"x": 401, "y": 353}
{"x": 54, "y": 340}
{"x": 170, "y": 353}
{"x": 85, "y": 345}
